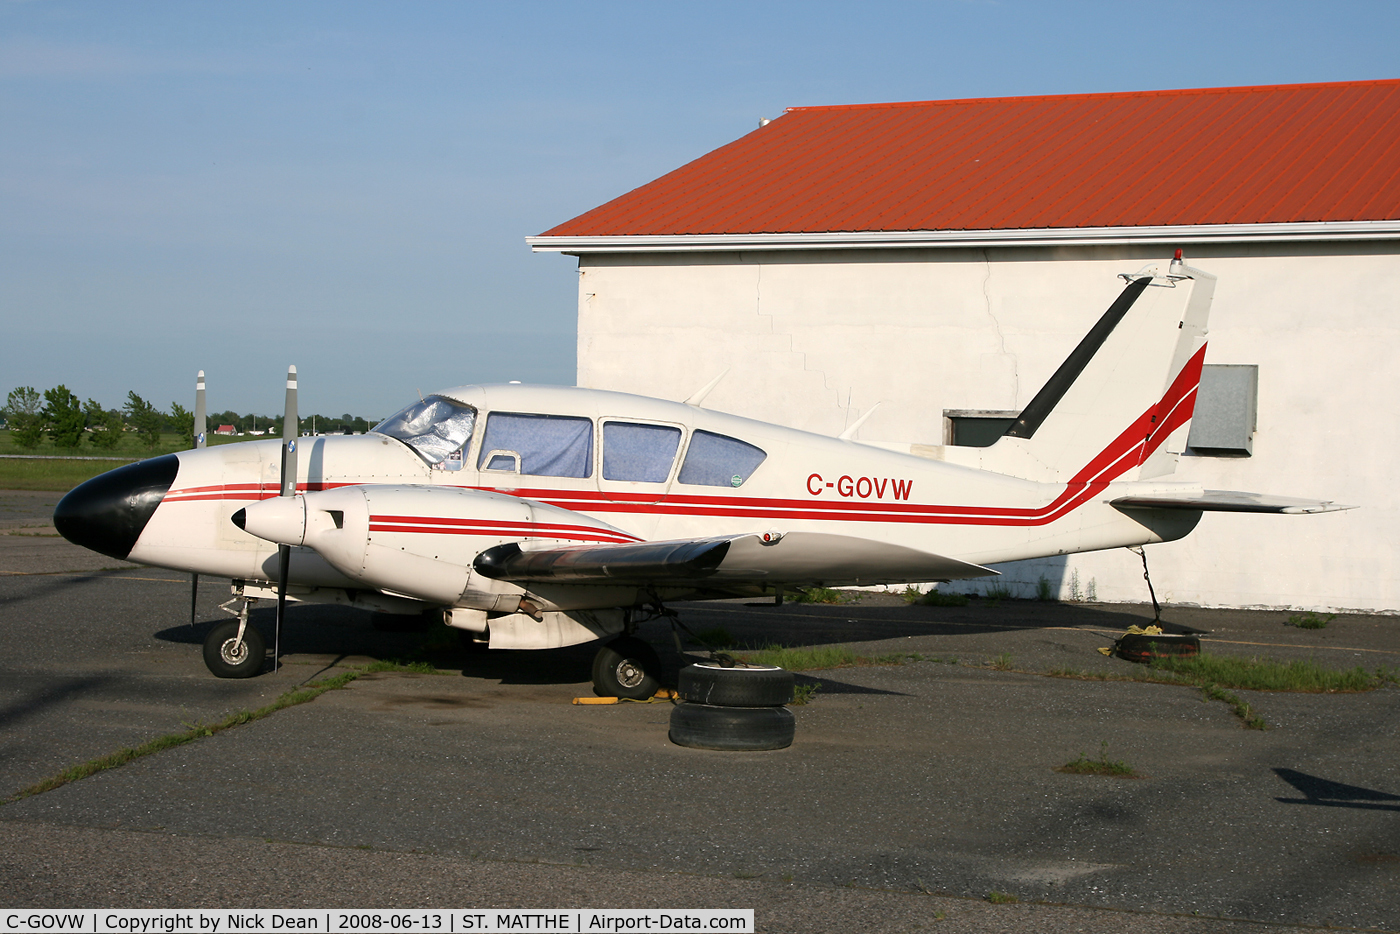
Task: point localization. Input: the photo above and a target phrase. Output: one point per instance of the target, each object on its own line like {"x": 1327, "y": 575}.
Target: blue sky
{"x": 347, "y": 186}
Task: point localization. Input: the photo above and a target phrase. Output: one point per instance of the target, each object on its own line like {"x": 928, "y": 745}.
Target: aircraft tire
{"x": 626, "y": 667}
{"x": 220, "y": 658}
{"x": 739, "y": 729}
{"x": 756, "y": 686}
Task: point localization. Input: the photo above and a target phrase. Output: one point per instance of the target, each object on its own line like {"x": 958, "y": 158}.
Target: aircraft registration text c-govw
{"x": 536, "y": 517}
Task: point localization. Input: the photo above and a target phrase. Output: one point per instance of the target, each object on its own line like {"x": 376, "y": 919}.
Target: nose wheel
{"x": 230, "y": 655}
{"x": 233, "y": 649}
{"x": 626, "y": 667}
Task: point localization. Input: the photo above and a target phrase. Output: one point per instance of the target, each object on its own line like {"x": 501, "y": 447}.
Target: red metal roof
{"x": 1279, "y": 154}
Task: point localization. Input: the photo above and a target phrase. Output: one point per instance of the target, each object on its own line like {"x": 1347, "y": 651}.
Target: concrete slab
{"x": 486, "y": 786}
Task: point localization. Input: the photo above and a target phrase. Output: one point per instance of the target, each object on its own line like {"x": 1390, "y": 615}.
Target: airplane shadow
{"x": 1326, "y": 793}
{"x": 318, "y": 629}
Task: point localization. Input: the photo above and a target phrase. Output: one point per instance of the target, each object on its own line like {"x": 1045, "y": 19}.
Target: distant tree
{"x": 22, "y": 413}
{"x": 106, "y": 425}
{"x": 183, "y": 423}
{"x": 145, "y": 418}
{"x": 63, "y": 417}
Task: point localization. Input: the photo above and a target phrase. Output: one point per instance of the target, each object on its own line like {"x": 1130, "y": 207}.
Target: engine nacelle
{"x": 420, "y": 541}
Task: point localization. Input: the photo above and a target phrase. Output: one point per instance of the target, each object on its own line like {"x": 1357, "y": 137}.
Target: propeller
{"x": 288, "y": 488}
{"x": 199, "y": 430}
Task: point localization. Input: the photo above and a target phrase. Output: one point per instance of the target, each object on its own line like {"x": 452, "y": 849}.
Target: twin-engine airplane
{"x": 537, "y": 517}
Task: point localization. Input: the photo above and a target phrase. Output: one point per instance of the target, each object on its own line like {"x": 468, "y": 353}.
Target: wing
{"x": 1231, "y": 501}
{"x": 797, "y": 559}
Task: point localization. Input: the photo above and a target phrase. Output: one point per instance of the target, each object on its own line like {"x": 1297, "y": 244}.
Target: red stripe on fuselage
{"x": 1148, "y": 432}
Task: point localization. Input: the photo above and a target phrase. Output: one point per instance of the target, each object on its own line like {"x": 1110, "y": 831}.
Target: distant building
{"x": 226, "y": 430}
{"x": 943, "y": 257}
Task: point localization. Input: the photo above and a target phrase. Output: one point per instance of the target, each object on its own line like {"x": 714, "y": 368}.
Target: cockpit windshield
{"x": 434, "y": 428}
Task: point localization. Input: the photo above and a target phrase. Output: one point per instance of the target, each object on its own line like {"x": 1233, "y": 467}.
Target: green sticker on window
{"x": 736, "y": 480}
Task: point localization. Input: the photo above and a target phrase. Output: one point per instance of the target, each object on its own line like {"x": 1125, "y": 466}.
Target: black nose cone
{"x": 108, "y": 512}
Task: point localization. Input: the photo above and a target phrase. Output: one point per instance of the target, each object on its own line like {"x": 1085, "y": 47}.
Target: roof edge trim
{"x": 897, "y": 239}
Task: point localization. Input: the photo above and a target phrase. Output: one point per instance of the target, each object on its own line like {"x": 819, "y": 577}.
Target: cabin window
{"x": 636, "y": 452}
{"x": 538, "y": 445}
{"x": 435, "y": 427}
{"x": 718, "y": 460}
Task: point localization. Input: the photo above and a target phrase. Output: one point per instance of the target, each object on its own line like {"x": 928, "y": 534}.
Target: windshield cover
{"x": 434, "y": 428}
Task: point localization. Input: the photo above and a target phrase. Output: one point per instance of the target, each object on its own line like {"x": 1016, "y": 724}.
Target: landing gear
{"x": 233, "y": 649}
{"x": 626, "y": 667}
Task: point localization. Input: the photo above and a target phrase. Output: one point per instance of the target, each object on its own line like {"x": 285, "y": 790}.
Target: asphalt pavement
{"x": 912, "y": 792}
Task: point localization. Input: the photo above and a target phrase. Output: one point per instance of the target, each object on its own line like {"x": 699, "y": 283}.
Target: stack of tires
{"x": 740, "y": 708}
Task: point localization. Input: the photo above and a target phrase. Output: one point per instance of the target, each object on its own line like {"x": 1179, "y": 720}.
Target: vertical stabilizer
{"x": 1120, "y": 405}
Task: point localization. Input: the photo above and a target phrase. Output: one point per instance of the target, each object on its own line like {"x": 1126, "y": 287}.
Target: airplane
{"x": 536, "y": 517}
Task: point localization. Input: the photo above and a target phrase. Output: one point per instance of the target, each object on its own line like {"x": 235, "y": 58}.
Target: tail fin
{"x": 1121, "y": 403}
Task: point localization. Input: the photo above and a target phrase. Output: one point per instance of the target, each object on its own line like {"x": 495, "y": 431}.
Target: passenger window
{"x": 718, "y": 460}
{"x": 538, "y": 445}
{"x": 639, "y": 452}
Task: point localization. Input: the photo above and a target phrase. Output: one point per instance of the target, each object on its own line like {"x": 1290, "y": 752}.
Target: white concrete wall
{"x": 813, "y": 339}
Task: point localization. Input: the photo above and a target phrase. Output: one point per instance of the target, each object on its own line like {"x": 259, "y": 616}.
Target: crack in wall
{"x": 996, "y": 326}
{"x": 773, "y": 329}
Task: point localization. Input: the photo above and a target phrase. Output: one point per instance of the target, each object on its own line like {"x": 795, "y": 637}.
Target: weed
{"x": 1001, "y": 662}
{"x": 1251, "y": 720}
{"x": 1101, "y": 766}
{"x": 939, "y": 915}
{"x": 1044, "y": 590}
{"x": 193, "y": 732}
{"x": 716, "y": 638}
{"x": 1001, "y": 898}
{"x": 997, "y": 592}
{"x": 802, "y": 693}
{"x": 937, "y": 597}
{"x": 747, "y": 875}
{"x": 912, "y": 594}
{"x": 817, "y": 595}
{"x": 1311, "y": 620}
{"x": 398, "y": 664}
{"x": 1075, "y": 594}
{"x": 1092, "y": 595}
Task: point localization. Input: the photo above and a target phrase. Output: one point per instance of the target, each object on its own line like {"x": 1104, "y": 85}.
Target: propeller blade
{"x": 200, "y": 429}
{"x": 288, "y": 488}
{"x": 284, "y": 560}
{"x": 199, "y": 419}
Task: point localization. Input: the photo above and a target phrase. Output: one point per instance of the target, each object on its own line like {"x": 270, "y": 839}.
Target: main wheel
{"x": 626, "y": 667}
{"x": 757, "y": 686}
{"x": 229, "y": 658}
{"x": 703, "y": 726}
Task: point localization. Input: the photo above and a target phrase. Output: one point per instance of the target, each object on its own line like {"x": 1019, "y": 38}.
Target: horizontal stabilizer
{"x": 1232, "y": 501}
{"x": 797, "y": 559}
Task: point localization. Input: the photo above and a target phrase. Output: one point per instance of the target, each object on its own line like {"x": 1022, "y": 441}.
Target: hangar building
{"x": 942, "y": 258}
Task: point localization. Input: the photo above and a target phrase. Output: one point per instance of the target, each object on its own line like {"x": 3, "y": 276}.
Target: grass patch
{"x": 802, "y": 693}
{"x": 934, "y": 597}
{"x": 826, "y": 595}
{"x": 398, "y": 664}
{"x": 1044, "y": 590}
{"x": 1001, "y": 898}
{"x": 998, "y": 592}
{"x": 1215, "y": 674}
{"x": 59, "y": 476}
{"x": 1250, "y": 719}
{"x": 1311, "y": 620}
{"x": 1112, "y": 768}
{"x": 1258, "y": 674}
{"x": 1001, "y": 662}
{"x": 191, "y": 733}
